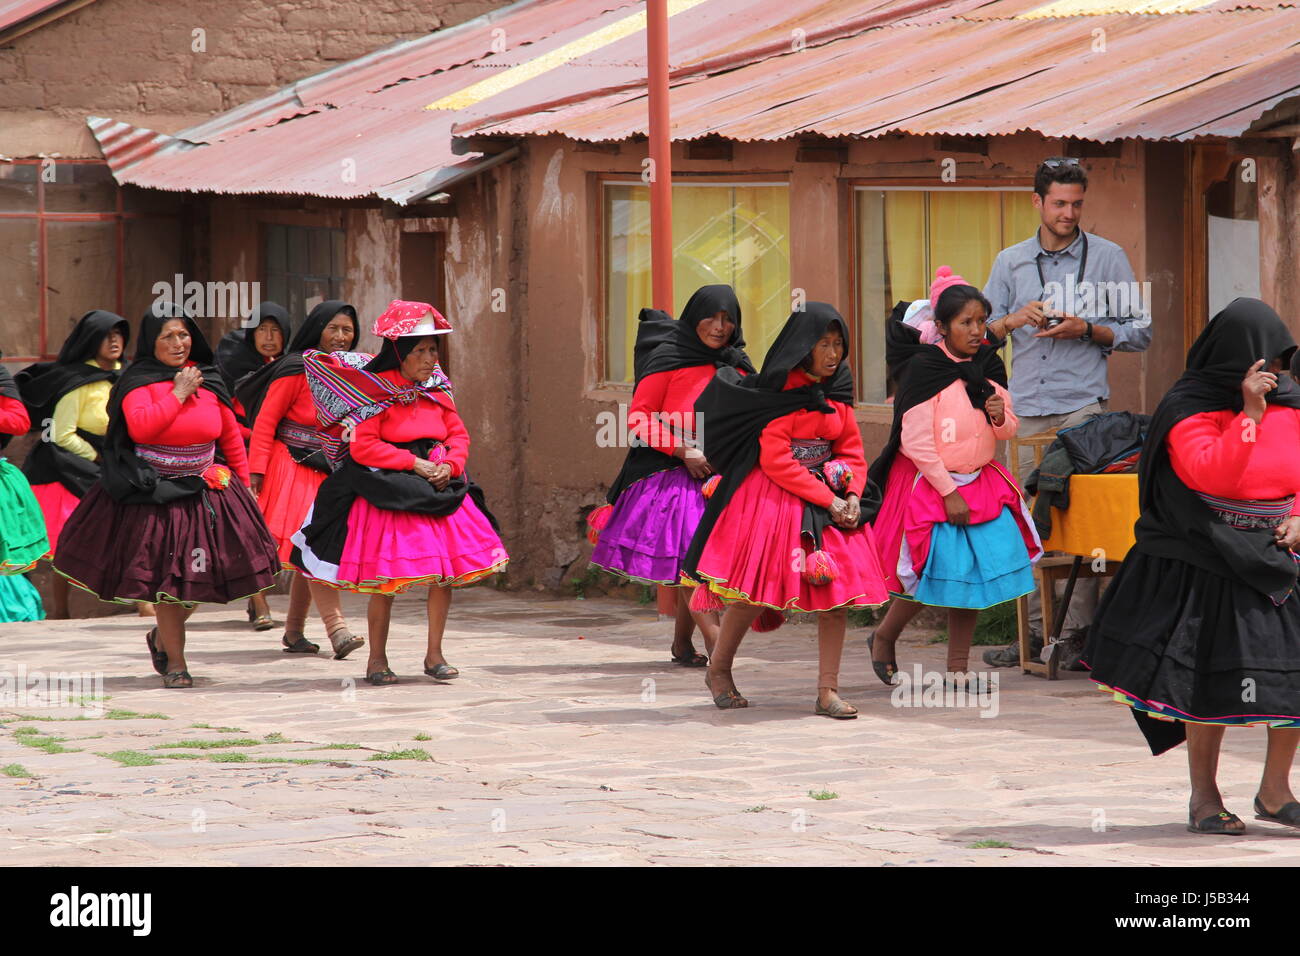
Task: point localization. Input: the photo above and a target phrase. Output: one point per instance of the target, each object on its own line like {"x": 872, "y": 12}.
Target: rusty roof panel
{"x": 744, "y": 69}
{"x": 1160, "y": 77}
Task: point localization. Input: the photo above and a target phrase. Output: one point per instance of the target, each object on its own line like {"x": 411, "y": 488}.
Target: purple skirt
{"x": 177, "y": 552}
{"x": 651, "y": 527}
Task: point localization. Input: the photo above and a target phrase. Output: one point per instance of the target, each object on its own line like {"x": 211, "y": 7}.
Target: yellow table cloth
{"x": 1101, "y": 515}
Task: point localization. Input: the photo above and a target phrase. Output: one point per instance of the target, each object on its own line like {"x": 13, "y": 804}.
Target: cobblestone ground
{"x": 569, "y": 739}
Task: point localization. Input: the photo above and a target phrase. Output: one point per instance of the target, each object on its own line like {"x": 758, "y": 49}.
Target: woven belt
{"x": 303, "y": 437}
{"x": 812, "y": 453}
{"x": 1250, "y": 514}
{"x": 178, "y": 461}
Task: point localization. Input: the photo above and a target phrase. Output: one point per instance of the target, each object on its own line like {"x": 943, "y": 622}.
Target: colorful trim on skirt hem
{"x": 633, "y": 579}
{"x": 398, "y": 585}
{"x": 160, "y": 597}
{"x": 908, "y": 597}
{"x": 1166, "y": 712}
{"x": 740, "y": 597}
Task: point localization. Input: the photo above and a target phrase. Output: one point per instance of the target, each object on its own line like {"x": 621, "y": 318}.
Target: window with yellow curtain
{"x": 905, "y": 234}
{"x": 732, "y": 233}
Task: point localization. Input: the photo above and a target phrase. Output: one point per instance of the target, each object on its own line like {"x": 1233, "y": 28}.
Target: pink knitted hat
{"x": 943, "y": 279}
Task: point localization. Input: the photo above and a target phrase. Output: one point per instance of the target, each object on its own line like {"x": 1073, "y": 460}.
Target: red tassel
{"x": 704, "y": 601}
{"x": 711, "y": 486}
{"x": 596, "y": 522}
{"x": 820, "y": 568}
{"x": 769, "y": 620}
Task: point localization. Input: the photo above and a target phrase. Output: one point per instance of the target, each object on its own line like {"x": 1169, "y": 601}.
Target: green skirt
{"x": 22, "y": 526}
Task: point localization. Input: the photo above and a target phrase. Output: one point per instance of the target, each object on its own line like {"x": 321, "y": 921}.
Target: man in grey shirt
{"x": 1065, "y": 299}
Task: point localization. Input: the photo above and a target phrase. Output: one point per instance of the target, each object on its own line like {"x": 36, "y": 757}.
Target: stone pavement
{"x": 570, "y": 740}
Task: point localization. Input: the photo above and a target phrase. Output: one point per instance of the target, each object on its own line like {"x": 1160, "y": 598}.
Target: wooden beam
{"x": 487, "y": 145}
{"x": 38, "y": 21}
{"x": 432, "y": 210}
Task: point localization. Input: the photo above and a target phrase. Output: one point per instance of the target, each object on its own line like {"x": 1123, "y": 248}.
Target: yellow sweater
{"x": 85, "y": 408}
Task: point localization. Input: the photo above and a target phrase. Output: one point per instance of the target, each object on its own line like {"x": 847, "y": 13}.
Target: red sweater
{"x": 1211, "y": 454}
{"x": 672, "y": 393}
{"x": 288, "y": 397}
{"x": 13, "y": 417}
{"x": 425, "y": 418}
{"x": 155, "y": 417}
{"x": 840, "y": 428}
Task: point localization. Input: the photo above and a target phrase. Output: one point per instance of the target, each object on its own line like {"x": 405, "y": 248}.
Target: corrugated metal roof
{"x": 744, "y": 69}
{"x": 13, "y": 13}
{"x": 1207, "y": 73}
{"x": 359, "y": 129}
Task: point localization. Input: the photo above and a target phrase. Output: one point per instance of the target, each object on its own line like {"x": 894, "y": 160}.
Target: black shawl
{"x": 124, "y": 476}
{"x": 7, "y": 390}
{"x": 1174, "y": 521}
{"x": 922, "y": 372}
{"x": 665, "y": 345}
{"x": 251, "y": 390}
{"x": 733, "y": 410}
{"x": 237, "y": 354}
{"x": 43, "y": 384}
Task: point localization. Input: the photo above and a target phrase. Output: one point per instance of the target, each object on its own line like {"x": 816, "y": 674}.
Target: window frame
{"x": 42, "y": 217}
{"x": 264, "y": 227}
{"x": 599, "y": 385}
{"x": 883, "y": 412}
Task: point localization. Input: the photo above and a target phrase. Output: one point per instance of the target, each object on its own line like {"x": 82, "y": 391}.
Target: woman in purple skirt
{"x": 165, "y": 524}
{"x": 657, "y": 499}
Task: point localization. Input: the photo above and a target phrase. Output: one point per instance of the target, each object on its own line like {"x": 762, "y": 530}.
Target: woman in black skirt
{"x": 165, "y": 524}
{"x": 1201, "y": 628}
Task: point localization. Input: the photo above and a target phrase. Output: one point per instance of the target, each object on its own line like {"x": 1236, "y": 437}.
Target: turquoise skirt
{"x": 975, "y": 566}
{"x": 19, "y": 600}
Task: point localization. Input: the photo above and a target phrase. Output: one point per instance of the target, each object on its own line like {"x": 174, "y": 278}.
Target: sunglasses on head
{"x": 1059, "y": 163}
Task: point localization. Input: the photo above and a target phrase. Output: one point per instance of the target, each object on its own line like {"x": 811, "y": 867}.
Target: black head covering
{"x": 7, "y": 390}
{"x": 1175, "y": 522}
{"x": 43, "y": 384}
{"x": 7, "y": 387}
{"x": 665, "y": 344}
{"x": 922, "y": 372}
{"x": 237, "y": 353}
{"x": 393, "y": 352}
{"x": 733, "y": 411}
{"x": 125, "y": 476}
{"x": 251, "y": 390}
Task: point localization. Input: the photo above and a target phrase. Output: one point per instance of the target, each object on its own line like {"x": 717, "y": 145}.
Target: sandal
{"x": 159, "y": 657}
{"x": 731, "y": 700}
{"x": 177, "y": 679}
{"x": 443, "y": 671}
{"x": 1216, "y": 824}
{"x": 838, "y": 709}
{"x": 885, "y": 670}
{"x": 261, "y": 622}
{"x": 344, "y": 642}
{"x": 690, "y": 659}
{"x": 299, "y": 645}
{"x": 1288, "y": 815}
{"x": 381, "y": 678}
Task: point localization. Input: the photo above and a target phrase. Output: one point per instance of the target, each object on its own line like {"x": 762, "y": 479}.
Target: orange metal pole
{"x": 661, "y": 162}
{"x": 661, "y": 187}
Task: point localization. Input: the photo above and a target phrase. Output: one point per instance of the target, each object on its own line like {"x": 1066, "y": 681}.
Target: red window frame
{"x": 44, "y": 216}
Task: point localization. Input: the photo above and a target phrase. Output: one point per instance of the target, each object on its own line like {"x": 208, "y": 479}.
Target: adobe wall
{"x": 142, "y": 61}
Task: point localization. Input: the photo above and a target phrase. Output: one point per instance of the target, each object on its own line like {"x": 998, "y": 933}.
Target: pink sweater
{"x": 946, "y": 433}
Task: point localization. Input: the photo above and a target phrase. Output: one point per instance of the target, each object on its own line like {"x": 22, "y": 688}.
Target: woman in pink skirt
{"x": 400, "y": 511}
{"x": 784, "y": 530}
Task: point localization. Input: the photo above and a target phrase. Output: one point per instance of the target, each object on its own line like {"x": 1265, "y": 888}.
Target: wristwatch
{"x": 1087, "y": 332}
